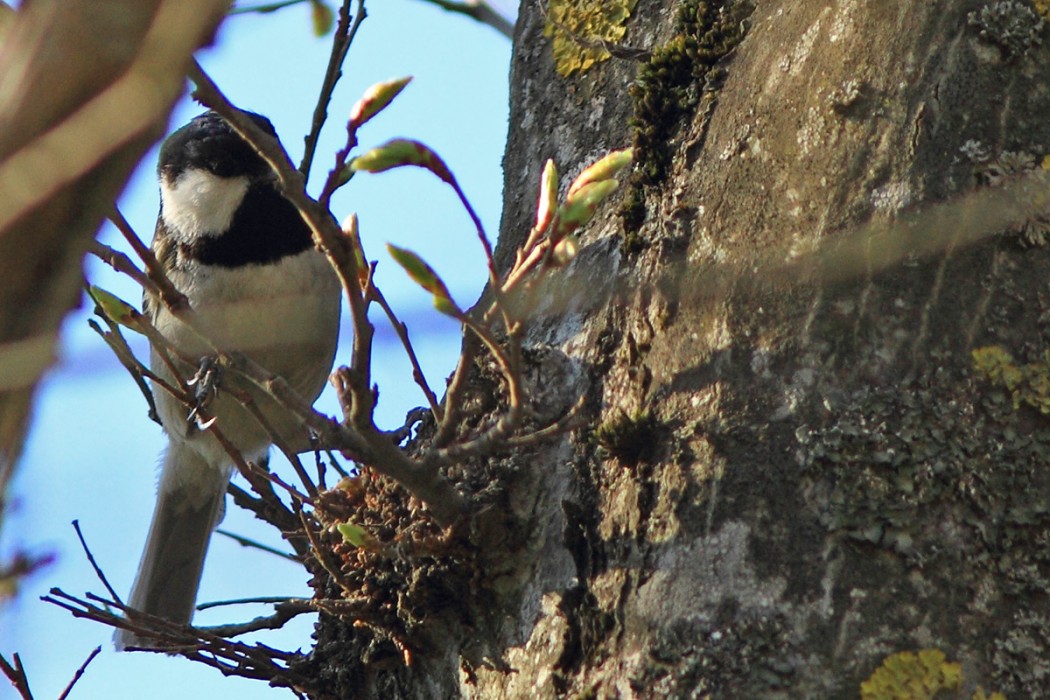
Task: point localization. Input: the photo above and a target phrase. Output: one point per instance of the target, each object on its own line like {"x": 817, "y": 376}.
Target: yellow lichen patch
{"x": 1042, "y": 7}
{"x": 580, "y": 28}
{"x": 910, "y": 676}
{"x": 1028, "y": 384}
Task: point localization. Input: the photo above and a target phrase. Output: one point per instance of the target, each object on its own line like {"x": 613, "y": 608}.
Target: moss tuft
{"x": 669, "y": 88}
{"x": 629, "y": 438}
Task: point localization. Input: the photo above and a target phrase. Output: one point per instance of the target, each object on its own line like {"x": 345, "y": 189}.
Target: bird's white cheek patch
{"x": 199, "y": 203}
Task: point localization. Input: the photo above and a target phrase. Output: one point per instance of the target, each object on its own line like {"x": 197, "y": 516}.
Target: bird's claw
{"x": 205, "y": 385}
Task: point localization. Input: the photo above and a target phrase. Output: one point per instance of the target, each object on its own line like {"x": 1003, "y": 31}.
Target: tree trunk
{"x": 788, "y": 481}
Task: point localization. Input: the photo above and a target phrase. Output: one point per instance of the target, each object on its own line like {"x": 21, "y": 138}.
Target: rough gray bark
{"x": 788, "y": 482}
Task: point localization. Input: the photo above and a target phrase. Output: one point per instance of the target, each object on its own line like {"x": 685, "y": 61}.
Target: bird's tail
{"x": 189, "y": 505}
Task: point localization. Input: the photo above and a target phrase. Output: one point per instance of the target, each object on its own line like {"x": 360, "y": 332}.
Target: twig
{"x": 480, "y": 11}
{"x": 256, "y": 661}
{"x": 80, "y": 672}
{"x": 263, "y": 600}
{"x": 16, "y": 673}
{"x": 566, "y": 423}
{"x": 273, "y": 512}
{"x": 479, "y": 228}
{"x": 344, "y": 37}
{"x": 322, "y": 469}
{"x": 402, "y": 333}
{"x": 285, "y": 610}
{"x": 94, "y": 565}
{"x": 334, "y": 461}
{"x": 254, "y": 472}
{"x": 336, "y": 175}
{"x": 414, "y": 416}
{"x": 122, "y": 263}
{"x": 169, "y": 295}
{"x": 246, "y": 542}
{"x": 115, "y": 340}
{"x": 21, "y": 565}
{"x": 290, "y": 454}
{"x": 453, "y": 399}
{"x": 322, "y": 556}
{"x": 268, "y": 7}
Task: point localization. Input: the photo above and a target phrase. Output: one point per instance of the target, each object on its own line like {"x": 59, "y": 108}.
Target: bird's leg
{"x": 205, "y": 385}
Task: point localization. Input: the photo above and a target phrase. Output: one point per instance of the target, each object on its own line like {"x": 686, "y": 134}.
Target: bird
{"x": 242, "y": 255}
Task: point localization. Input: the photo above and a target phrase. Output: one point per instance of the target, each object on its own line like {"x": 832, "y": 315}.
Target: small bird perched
{"x": 229, "y": 240}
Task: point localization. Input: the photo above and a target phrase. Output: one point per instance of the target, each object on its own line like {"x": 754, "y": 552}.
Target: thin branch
{"x": 285, "y": 610}
{"x": 402, "y": 333}
{"x": 480, "y": 11}
{"x": 94, "y": 564}
{"x": 322, "y": 556}
{"x": 570, "y": 421}
{"x": 115, "y": 340}
{"x": 20, "y": 565}
{"x": 256, "y": 661}
{"x": 290, "y": 454}
{"x": 341, "y": 41}
{"x": 319, "y": 464}
{"x": 486, "y": 244}
{"x": 169, "y": 295}
{"x": 453, "y": 394}
{"x": 260, "y": 479}
{"x": 246, "y": 542}
{"x": 334, "y": 461}
{"x": 16, "y": 673}
{"x": 266, "y": 8}
{"x": 258, "y": 600}
{"x": 273, "y": 512}
{"x": 122, "y": 263}
{"x": 79, "y": 672}
{"x": 326, "y": 234}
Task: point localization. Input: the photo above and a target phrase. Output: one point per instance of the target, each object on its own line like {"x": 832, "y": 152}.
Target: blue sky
{"x": 92, "y": 453}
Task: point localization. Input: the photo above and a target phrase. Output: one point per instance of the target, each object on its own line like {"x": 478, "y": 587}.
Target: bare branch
{"x": 79, "y": 672}
{"x": 162, "y": 286}
{"x": 16, "y": 673}
{"x": 256, "y": 661}
{"x": 344, "y": 37}
{"x": 480, "y": 11}
{"x": 402, "y": 333}
{"x": 94, "y": 564}
{"x": 282, "y": 614}
{"x": 247, "y": 542}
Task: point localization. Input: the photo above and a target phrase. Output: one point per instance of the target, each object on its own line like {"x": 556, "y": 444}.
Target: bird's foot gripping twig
{"x": 205, "y": 385}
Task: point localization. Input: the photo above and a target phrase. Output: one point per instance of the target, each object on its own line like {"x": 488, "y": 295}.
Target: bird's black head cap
{"x": 207, "y": 142}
